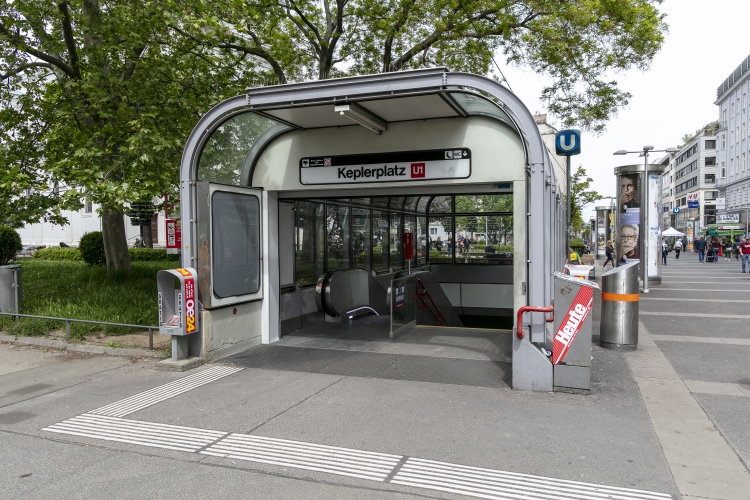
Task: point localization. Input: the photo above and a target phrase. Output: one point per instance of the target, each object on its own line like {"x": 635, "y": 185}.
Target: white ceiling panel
{"x": 422, "y": 107}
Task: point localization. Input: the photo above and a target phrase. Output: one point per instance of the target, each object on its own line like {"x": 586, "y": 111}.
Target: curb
{"x": 91, "y": 349}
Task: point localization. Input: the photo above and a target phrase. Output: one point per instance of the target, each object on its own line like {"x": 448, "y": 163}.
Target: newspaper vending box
{"x": 178, "y": 303}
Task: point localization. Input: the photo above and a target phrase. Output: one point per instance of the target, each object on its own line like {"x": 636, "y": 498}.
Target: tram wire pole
{"x": 645, "y": 224}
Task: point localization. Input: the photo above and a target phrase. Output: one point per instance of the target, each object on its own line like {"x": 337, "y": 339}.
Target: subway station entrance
{"x": 387, "y": 225}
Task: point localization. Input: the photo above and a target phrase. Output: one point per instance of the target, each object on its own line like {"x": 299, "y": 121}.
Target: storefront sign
{"x": 572, "y": 323}
{"x": 387, "y": 167}
{"x": 727, "y": 218}
{"x": 693, "y": 200}
{"x": 721, "y": 203}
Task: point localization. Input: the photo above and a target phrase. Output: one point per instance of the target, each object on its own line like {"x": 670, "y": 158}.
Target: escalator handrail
{"x": 420, "y": 296}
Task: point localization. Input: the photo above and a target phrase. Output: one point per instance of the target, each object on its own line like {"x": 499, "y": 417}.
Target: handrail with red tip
{"x": 523, "y": 309}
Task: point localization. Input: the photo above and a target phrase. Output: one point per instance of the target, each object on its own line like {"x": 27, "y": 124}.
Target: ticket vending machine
{"x": 178, "y": 307}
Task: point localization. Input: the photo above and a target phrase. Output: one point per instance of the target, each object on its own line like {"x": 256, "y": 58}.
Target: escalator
{"x": 351, "y": 293}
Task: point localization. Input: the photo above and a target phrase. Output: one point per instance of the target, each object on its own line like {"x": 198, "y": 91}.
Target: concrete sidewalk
{"x": 669, "y": 418}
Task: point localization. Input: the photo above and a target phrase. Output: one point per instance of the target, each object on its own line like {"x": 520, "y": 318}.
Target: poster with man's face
{"x": 629, "y": 214}
{"x": 629, "y": 195}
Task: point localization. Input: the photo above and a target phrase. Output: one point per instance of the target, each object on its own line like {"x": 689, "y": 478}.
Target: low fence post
{"x": 67, "y": 330}
{"x": 150, "y": 339}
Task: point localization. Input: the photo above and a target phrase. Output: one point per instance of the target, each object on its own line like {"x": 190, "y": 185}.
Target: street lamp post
{"x": 644, "y": 206}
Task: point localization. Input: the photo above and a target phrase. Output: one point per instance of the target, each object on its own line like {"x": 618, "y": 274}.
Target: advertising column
{"x": 654, "y": 227}
{"x": 604, "y": 229}
{"x": 638, "y": 227}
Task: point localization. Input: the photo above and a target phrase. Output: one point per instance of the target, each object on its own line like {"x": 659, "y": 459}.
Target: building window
{"x": 711, "y": 144}
{"x": 723, "y": 170}
{"x": 737, "y": 171}
{"x": 710, "y": 160}
{"x": 723, "y": 141}
{"x": 88, "y": 207}
{"x": 710, "y": 178}
{"x": 743, "y": 162}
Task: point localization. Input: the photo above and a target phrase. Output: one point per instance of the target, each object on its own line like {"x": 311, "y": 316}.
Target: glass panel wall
{"x": 421, "y": 240}
{"x": 396, "y": 236}
{"x": 224, "y": 154}
{"x": 309, "y": 242}
{"x": 361, "y": 239}
{"x": 410, "y": 226}
{"x": 338, "y": 237}
{"x": 379, "y": 241}
{"x": 367, "y": 233}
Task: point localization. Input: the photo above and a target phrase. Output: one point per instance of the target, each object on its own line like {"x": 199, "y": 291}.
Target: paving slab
{"x": 708, "y": 362}
{"x": 697, "y": 327}
{"x": 731, "y": 415}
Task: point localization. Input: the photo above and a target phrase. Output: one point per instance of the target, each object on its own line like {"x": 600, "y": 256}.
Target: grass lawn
{"x": 74, "y": 290}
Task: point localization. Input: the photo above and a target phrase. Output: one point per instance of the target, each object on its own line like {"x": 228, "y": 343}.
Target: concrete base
{"x": 619, "y": 347}
{"x": 180, "y": 365}
{"x": 179, "y": 347}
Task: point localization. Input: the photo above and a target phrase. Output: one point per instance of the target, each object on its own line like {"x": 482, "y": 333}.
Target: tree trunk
{"x": 148, "y": 235}
{"x": 115, "y": 243}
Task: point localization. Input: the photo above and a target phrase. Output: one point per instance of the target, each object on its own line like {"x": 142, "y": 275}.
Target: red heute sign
{"x": 189, "y": 305}
{"x": 571, "y": 324}
{"x": 408, "y": 246}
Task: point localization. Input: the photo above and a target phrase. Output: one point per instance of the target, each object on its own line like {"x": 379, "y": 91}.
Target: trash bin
{"x": 620, "y": 296}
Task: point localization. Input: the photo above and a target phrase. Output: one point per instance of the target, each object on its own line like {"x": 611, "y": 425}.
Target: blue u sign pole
{"x": 568, "y": 143}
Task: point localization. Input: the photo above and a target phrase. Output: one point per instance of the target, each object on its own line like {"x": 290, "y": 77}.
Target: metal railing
{"x": 68, "y": 321}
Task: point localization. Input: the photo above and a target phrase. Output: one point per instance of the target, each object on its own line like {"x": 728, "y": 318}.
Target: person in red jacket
{"x": 745, "y": 252}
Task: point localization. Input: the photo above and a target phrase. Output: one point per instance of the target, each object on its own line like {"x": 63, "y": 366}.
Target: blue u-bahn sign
{"x": 568, "y": 142}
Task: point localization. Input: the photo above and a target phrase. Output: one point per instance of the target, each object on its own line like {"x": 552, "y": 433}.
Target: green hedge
{"x": 151, "y": 255}
{"x": 136, "y": 254}
{"x": 55, "y": 253}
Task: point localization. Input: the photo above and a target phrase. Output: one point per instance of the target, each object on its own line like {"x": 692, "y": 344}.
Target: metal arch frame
{"x": 541, "y": 179}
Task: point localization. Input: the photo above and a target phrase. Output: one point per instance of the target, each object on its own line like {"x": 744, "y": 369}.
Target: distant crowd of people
{"x": 739, "y": 248}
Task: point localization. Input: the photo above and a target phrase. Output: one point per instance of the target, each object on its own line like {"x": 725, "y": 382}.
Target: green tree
{"x": 100, "y": 96}
{"x": 581, "y": 195}
{"x": 578, "y": 44}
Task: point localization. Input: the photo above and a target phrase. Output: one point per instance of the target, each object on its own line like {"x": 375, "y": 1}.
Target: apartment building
{"x": 732, "y": 156}
{"x": 689, "y": 183}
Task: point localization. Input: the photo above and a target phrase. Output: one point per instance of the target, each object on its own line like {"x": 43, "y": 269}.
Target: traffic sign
{"x": 568, "y": 142}
{"x": 676, "y": 210}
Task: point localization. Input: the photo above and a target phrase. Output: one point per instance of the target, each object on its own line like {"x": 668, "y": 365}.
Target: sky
{"x": 706, "y": 42}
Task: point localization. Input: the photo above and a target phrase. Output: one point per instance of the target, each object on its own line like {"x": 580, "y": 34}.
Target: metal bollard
{"x": 620, "y": 298}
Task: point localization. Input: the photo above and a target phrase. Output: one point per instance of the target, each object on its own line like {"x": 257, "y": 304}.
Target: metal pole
{"x": 644, "y": 223}
{"x": 570, "y": 204}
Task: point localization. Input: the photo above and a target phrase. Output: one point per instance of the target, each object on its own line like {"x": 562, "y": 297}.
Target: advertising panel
{"x": 654, "y": 231}
{"x": 629, "y": 213}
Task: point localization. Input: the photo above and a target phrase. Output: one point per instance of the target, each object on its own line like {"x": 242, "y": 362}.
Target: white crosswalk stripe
{"x": 163, "y": 392}
{"x": 329, "y": 459}
{"x": 170, "y": 437}
{"x": 493, "y": 484}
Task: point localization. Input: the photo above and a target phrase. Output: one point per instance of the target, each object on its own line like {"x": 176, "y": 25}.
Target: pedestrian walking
{"x": 727, "y": 249}
{"x": 745, "y": 253}
{"x": 700, "y": 245}
{"x": 664, "y": 251}
{"x": 715, "y": 244}
{"x": 610, "y": 251}
{"x": 677, "y": 248}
